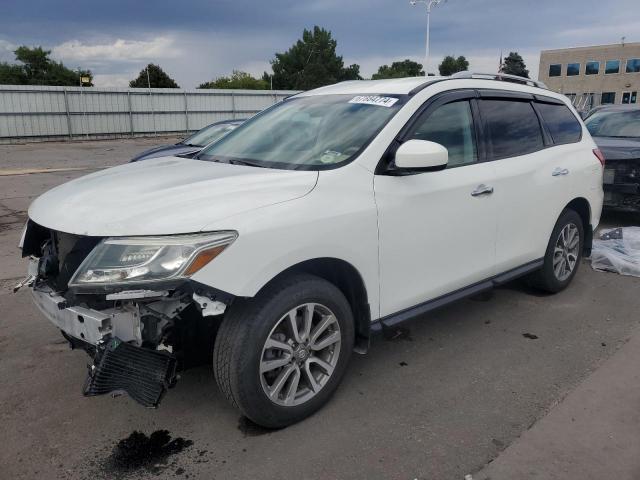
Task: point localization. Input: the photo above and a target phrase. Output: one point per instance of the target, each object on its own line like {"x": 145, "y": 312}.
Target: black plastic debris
{"x": 145, "y": 375}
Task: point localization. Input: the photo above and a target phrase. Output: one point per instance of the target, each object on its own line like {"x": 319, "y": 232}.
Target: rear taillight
{"x": 598, "y": 153}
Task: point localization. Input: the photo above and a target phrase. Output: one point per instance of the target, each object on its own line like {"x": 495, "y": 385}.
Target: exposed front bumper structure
{"x": 91, "y": 326}
{"x": 138, "y": 336}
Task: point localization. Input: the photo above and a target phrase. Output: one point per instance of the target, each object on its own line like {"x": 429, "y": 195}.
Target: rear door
{"x": 532, "y": 180}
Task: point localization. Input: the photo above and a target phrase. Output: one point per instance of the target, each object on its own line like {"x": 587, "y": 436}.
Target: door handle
{"x": 560, "y": 171}
{"x": 482, "y": 189}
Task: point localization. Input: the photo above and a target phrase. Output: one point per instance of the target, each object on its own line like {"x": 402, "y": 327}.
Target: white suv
{"x": 330, "y": 216}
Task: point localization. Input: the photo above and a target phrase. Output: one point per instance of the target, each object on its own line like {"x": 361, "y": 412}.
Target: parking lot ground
{"x": 450, "y": 393}
{"x": 591, "y": 434}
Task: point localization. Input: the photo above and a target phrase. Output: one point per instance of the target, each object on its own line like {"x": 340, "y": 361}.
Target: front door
{"x": 437, "y": 229}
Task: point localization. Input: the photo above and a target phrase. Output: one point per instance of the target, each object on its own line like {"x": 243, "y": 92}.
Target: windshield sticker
{"x": 331, "y": 156}
{"x": 374, "y": 100}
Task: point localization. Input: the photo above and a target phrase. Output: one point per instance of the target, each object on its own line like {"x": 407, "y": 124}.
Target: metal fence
{"x": 29, "y": 113}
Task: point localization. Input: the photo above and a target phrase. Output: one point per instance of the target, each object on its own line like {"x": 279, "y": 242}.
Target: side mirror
{"x": 422, "y": 155}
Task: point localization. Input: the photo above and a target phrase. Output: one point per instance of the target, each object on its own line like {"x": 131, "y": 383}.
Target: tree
{"x": 36, "y": 68}
{"x": 310, "y": 63}
{"x": 405, "y": 68}
{"x": 11, "y": 74}
{"x": 157, "y": 78}
{"x": 239, "y": 80}
{"x": 352, "y": 72}
{"x": 451, "y": 65}
{"x": 514, "y": 65}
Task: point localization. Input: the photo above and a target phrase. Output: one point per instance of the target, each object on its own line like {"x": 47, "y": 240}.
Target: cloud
{"x": 109, "y": 80}
{"x": 204, "y": 39}
{"x": 6, "y": 51}
{"x": 119, "y": 50}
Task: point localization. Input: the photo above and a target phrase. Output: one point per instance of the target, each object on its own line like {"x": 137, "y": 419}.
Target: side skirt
{"x": 439, "y": 302}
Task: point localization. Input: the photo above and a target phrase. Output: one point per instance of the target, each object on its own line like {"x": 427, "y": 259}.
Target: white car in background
{"x": 321, "y": 220}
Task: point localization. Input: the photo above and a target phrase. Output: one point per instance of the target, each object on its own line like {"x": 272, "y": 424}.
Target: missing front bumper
{"x": 145, "y": 375}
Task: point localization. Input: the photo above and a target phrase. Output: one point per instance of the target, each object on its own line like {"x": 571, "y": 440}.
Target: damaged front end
{"x": 129, "y": 303}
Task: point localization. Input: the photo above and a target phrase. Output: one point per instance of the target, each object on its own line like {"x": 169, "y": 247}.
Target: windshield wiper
{"x": 616, "y": 136}
{"x": 245, "y": 163}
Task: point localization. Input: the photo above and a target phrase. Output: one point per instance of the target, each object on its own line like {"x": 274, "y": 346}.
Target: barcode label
{"x": 374, "y": 100}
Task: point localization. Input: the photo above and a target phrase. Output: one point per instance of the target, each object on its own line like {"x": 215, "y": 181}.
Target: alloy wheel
{"x": 565, "y": 253}
{"x": 300, "y": 354}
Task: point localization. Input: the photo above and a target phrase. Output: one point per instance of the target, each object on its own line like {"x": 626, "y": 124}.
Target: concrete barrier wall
{"x": 37, "y": 113}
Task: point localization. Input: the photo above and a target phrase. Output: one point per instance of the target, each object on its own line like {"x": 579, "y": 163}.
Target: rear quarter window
{"x": 513, "y": 127}
{"x": 561, "y": 123}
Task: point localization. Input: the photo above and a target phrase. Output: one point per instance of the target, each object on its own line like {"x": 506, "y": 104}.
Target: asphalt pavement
{"x": 472, "y": 389}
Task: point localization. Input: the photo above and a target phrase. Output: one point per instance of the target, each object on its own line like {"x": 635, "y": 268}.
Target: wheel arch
{"x": 349, "y": 281}
{"x": 581, "y": 206}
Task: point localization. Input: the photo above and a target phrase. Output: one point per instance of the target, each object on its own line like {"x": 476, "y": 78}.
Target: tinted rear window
{"x": 513, "y": 127}
{"x": 562, "y": 124}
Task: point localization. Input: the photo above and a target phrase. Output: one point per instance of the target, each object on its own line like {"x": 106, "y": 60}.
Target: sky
{"x": 197, "y": 40}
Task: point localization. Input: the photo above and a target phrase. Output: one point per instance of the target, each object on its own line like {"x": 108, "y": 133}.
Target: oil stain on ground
{"x": 396, "y": 333}
{"x": 140, "y": 455}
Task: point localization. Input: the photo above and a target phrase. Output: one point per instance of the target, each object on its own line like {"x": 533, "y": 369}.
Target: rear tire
{"x": 268, "y": 359}
{"x": 563, "y": 254}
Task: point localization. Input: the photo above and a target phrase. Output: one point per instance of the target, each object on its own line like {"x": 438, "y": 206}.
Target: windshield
{"x": 306, "y": 133}
{"x": 622, "y": 124}
{"x": 209, "y": 134}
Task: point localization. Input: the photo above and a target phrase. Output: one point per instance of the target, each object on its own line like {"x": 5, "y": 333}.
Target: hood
{"x": 165, "y": 151}
{"x": 164, "y": 196}
{"x": 618, "y": 148}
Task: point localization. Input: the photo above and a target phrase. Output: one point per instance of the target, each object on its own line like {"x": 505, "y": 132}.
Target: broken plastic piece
{"x": 145, "y": 375}
{"x": 131, "y": 294}
{"x": 209, "y": 307}
{"x": 24, "y": 283}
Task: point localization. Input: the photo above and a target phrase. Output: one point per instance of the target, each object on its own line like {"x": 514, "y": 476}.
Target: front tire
{"x": 563, "y": 254}
{"x": 280, "y": 356}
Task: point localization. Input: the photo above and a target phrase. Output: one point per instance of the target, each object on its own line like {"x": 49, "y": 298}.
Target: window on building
{"x": 608, "y": 97}
{"x": 592, "y": 68}
{"x": 634, "y": 97}
{"x": 612, "y": 66}
{"x": 562, "y": 124}
{"x": 573, "y": 69}
{"x": 555, "y": 70}
{"x": 633, "y": 65}
{"x": 513, "y": 127}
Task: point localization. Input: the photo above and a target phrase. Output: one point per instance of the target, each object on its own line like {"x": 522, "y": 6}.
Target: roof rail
{"x": 504, "y": 77}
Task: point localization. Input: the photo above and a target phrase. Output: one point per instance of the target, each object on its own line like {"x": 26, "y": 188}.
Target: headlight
{"x": 148, "y": 259}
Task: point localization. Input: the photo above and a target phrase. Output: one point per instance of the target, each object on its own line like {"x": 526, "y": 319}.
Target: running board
{"x": 444, "y": 300}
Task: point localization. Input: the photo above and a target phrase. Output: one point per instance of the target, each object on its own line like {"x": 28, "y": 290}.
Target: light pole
{"x": 428, "y": 4}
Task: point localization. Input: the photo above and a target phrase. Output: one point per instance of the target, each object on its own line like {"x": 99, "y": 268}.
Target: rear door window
{"x": 562, "y": 124}
{"x": 513, "y": 128}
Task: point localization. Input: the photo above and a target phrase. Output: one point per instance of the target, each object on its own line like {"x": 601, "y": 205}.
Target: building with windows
{"x": 595, "y": 75}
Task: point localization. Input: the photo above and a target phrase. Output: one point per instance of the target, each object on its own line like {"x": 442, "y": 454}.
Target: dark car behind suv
{"x": 616, "y": 130}
{"x": 193, "y": 143}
